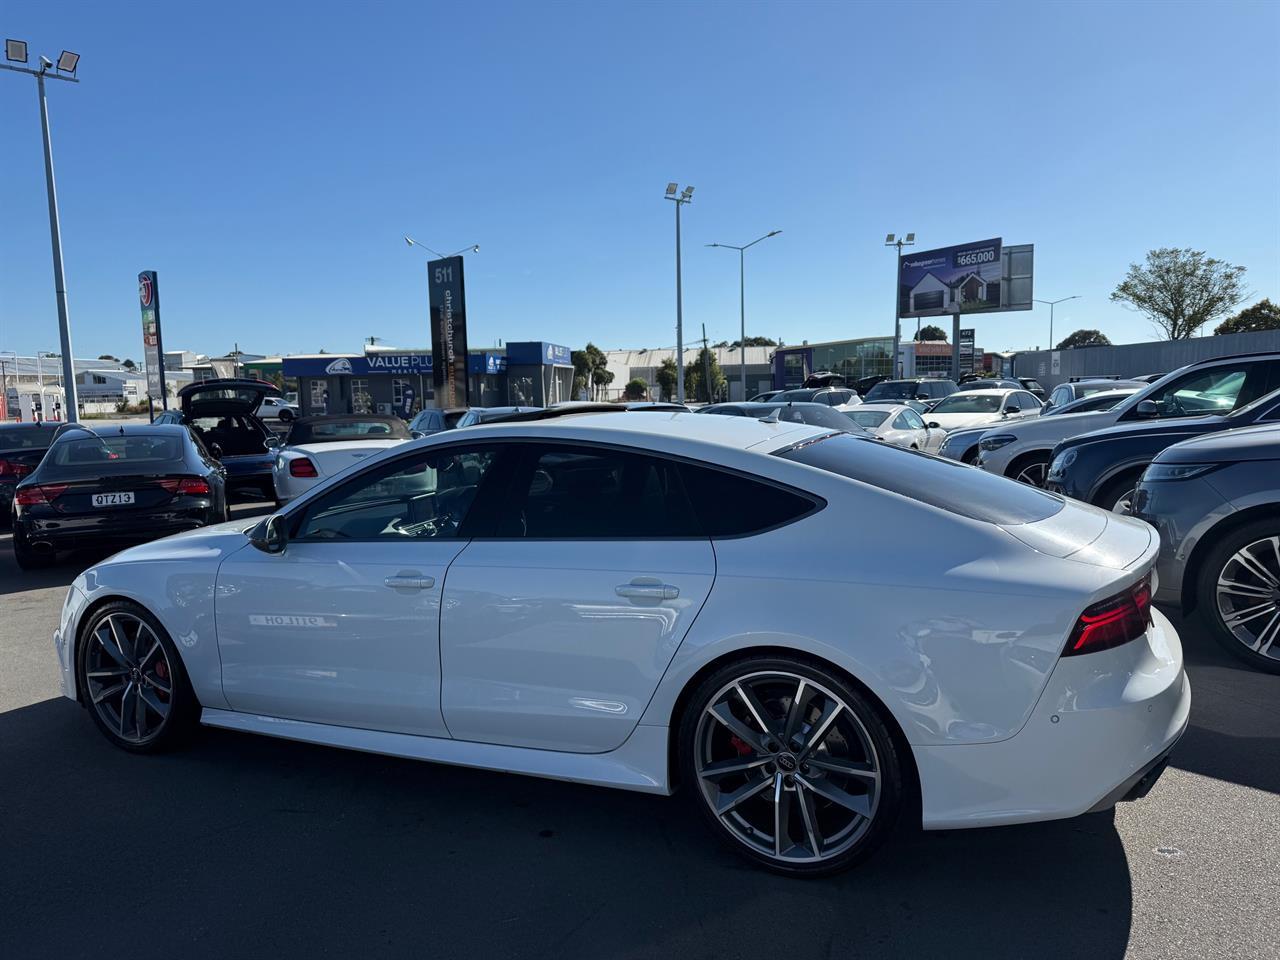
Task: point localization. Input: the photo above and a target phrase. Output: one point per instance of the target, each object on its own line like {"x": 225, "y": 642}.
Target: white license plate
{"x": 112, "y": 499}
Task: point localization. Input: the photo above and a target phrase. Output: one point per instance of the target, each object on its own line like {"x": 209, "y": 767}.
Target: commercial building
{"x": 396, "y": 380}
{"x": 852, "y": 359}
{"x": 1052, "y": 367}
{"x": 628, "y": 365}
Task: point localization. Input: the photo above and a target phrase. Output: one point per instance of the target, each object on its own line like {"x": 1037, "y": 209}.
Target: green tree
{"x": 667, "y": 376}
{"x": 635, "y": 389}
{"x": 755, "y": 342}
{"x": 107, "y": 356}
{"x": 696, "y": 386}
{"x": 931, "y": 332}
{"x": 129, "y": 365}
{"x": 1263, "y": 315}
{"x": 1084, "y": 338}
{"x": 1181, "y": 290}
{"x": 589, "y": 371}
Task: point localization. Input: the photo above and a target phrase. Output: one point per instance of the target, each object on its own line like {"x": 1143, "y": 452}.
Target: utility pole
{"x": 742, "y": 301}
{"x": 706, "y": 364}
{"x": 686, "y": 196}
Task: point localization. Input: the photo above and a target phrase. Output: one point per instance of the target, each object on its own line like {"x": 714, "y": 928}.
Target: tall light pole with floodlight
{"x": 1052, "y": 304}
{"x": 680, "y": 198}
{"x": 892, "y": 240}
{"x": 15, "y": 51}
{"x": 742, "y": 299}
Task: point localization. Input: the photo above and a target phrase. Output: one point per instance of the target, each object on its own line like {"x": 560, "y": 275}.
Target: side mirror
{"x": 933, "y": 425}
{"x": 215, "y": 450}
{"x": 270, "y": 536}
{"x": 922, "y": 396}
{"x": 417, "y": 434}
{"x": 1147, "y": 410}
{"x": 274, "y": 441}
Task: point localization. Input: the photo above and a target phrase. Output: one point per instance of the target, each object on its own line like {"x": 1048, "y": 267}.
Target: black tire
{"x": 970, "y": 455}
{"x": 1123, "y": 486}
{"x": 26, "y": 557}
{"x": 1219, "y": 561}
{"x": 183, "y": 710}
{"x": 286, "y": 416}
{"x": 866, "y": 832}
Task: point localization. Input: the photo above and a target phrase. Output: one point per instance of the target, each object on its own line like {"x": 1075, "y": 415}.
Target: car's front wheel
{"x": 790, "y": 765}
{"x": 1239, "y": 594}
{"x": 132, "y": 680}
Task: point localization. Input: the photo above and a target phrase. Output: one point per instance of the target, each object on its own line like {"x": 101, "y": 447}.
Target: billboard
{"x": 448, "y": 332}
{"x": 934, "y": 282}
{"x": 152, "y": 343}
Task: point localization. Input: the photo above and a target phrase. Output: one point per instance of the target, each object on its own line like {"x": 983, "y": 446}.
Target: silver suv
{"x": 1023, "y": 450}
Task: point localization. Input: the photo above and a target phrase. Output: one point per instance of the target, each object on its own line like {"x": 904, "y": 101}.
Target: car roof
{"x": 642, "y": 428}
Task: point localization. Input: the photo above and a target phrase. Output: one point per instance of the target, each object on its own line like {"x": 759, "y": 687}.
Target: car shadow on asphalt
{"x": 239, "y": 845}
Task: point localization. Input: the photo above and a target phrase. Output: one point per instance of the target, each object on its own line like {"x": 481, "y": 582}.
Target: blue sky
{"x": 266, "y": 159}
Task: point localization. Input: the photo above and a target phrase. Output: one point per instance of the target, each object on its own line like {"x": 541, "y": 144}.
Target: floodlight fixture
{"x": 15, "y": 51}
{"x": 67, "y": 62}
{"x": 888, "y": 239}
{"x": 671, "y": 187}
{"x": 688, "y": 193}
{"x": 911, "y": 238}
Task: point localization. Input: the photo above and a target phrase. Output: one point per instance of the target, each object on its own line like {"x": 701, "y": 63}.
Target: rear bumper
{"x": 64, "y": 533}
{"x": 1103, "y": 726}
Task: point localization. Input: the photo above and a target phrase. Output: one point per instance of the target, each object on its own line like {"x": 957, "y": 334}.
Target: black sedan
{"x": 1102, "y": 467}
{"x": 22, "y": 446}
{"x": 1216, "y": 502}
{"x": 115, "y": 487}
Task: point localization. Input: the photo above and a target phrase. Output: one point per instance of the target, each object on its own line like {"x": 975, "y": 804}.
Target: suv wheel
{"x": 790, "y": 766}
{"x": 1239, "y": 592}
{"x": 1031, "y": 470}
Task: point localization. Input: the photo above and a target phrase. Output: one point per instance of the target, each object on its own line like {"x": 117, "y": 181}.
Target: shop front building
{"x": 852, "y": 359}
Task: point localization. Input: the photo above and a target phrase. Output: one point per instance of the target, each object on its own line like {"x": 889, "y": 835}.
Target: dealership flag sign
{"x": 448, "y": 332}
{"x": 932, "y": 283}
{"x": 152, "y": 344}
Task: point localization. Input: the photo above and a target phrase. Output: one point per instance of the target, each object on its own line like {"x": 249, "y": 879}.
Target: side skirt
{"x": 639, "y": 764}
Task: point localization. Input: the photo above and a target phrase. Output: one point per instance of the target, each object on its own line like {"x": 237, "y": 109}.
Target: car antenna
{"x": 772, "y": 416}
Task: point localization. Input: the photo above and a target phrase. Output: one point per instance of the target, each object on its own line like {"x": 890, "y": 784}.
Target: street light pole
{"x": 680, "y": 200}
{"x": 1051, "y": 304}
{"x": 742, "y": 299}
{"x": 891, "y": 241}
{"x": 17, "y": 51}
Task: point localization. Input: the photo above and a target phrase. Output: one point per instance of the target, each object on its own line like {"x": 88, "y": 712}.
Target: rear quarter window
{"x": 945, "y": 484}
{"x": 731, "y": 505}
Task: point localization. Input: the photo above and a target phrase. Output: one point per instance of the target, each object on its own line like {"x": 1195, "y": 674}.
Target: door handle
{"x": 647, "y": 588}
{"x": 410, "y": 582}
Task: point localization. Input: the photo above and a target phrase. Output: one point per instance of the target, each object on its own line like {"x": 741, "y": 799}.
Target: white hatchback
{"x": 641, "y": 600}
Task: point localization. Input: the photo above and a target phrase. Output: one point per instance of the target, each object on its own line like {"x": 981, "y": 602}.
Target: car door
{"x": 342, "y": 627}
{"x": 557, "y": 628}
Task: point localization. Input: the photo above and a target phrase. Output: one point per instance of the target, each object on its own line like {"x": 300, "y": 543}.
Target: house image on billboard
{"x": 931, "y": 293}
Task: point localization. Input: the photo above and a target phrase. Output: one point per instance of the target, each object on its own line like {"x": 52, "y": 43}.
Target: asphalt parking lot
{"x": 244, "y": 846}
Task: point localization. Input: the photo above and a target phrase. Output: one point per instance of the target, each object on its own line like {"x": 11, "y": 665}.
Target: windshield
{"x": 91, "y": 450}
{"x": 867, "y": 418}
{"x": 894, "y": 390}
{"x": 972, "y": 403}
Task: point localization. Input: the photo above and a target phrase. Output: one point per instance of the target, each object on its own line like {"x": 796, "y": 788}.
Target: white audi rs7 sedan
{"x": 646, "y": 601}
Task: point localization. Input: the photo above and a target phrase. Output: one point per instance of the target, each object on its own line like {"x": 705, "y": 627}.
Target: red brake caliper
{"x": 742, "y": 748}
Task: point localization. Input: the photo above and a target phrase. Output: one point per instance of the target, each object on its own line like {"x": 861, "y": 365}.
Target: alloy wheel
{"x": 787, "y": 767}
{"x": 1123, "y": 502}
{"x": 128, "y": 677}
{"x": 1033, "y": 474}
{"x": 1248, "y": 596}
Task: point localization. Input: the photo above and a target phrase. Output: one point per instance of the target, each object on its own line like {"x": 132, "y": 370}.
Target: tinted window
{"x": 969, "y": 403}
{"x": 595, "y": 493}
{"x": 901, "y": 422}
{"x": 1029, "y": 402}
{"x": 815, "y": 414}
{"x": 913, "y": 420}
{"x": 869, "y": 418}
{"x": 730, "y": 505}
{"x": 25, "y": 438}
{"x": 426, "y": 496}
{"x": 893, "y": 390}
{"x": 1060, "y": 396}
{"x": 945, "y": 484}
{"x": 330, "y": 431}
{"x": 140, "y": 448}
{"x": 728, "y": 411}
{"x": 1217, "y": 390}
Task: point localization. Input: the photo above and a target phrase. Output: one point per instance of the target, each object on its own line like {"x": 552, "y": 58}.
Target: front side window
{"x": 1218, "y": 390}
{"x": 913, "y": 420}
{"x": 901, "y": 422}
{"x": 426, "y": 496}
{"x": 572, "y": 492}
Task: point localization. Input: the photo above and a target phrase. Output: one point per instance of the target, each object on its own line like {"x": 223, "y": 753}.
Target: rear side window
{"x": 730, "y": 505}
{"x": 945, "y": 484}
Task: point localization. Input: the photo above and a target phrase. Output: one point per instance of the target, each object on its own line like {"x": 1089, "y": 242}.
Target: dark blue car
{"x": 223, "y": 414}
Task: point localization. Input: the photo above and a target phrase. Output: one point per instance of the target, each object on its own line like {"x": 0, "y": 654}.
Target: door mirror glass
{"x": 215, "y": 449}
{"x": 270, "y": 536}
{"x": 274, "y": 441}
{"x": 932, "y": 425}
{"x": 1147, "y": 410}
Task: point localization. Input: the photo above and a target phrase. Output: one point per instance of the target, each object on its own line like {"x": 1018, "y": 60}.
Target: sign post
{"x": 448, "y": 332}
{"x": 152, "y": 343}
{"x": 966, "y": 350}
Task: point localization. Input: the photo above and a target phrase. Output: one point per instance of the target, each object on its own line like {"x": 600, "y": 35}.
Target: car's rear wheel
{"x": 1240, "y": 594}
{"x": 132, "y": 680}
{"x": 1117, "y": 496}
{"x": 1031, "y": 470}
{"x": 790, "y": 765}
{"x": 26, "y": 556}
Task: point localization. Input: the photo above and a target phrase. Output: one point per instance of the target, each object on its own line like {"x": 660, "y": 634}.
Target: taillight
{"x": 10, "y": 469}
{"x": 30, "y": 496}
{"x": 1113, "y": 621}
{"x": 302, "y": 467}
{"x": 191, "y": 486}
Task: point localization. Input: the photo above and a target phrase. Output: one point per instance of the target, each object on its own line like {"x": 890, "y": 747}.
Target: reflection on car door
{"x": 343, "y": 626}
{"x": 556, "y": 630}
